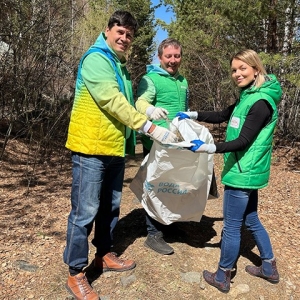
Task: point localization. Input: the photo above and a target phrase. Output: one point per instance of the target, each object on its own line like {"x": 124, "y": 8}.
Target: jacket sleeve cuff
{"x": 145, "y": 128}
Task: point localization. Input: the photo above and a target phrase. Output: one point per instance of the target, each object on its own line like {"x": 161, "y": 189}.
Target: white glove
{"x": 207, "y": 148}
{"x": 156, "y": 113}
{"x": 187, "y": 114}
{"x": 201, "y": 147}
{"x": 162, "y": 135}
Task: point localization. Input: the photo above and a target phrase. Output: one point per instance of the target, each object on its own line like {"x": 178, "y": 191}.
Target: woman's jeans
{"x": 240, "y": 205}
{"x": 95, "y": 197}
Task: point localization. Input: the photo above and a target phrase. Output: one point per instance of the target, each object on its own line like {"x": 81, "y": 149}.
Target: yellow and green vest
{"x": 94, "y": 131}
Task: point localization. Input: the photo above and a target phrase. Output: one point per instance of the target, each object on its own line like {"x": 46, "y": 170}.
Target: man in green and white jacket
{"x": 162, "y": 92}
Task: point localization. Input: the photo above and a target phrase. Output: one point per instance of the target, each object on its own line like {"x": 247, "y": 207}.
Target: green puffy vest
{"x": 171, "y": 94}
{"x": 250, "y": 168}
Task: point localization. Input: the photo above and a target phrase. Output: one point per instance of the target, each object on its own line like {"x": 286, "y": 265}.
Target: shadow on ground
{"x": 195, "y": 234}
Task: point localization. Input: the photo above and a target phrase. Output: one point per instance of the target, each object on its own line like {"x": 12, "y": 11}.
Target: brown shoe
{"x": 79, "y": 287}
{"x": 110, "y": 262}
{"x": 259, "y": 272}
{"x": 210, "y": 278}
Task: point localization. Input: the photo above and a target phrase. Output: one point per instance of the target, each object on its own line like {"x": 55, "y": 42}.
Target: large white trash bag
{"x": 173, "y": 183}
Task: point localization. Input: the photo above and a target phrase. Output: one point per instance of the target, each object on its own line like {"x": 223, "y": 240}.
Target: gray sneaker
{"x": 158, "y": 244}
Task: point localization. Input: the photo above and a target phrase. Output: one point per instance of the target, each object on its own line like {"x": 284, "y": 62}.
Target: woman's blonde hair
{"x": 251, "y": 58}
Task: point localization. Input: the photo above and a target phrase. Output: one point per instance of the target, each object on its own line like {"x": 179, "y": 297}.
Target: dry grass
{"x": 33, "y": 223}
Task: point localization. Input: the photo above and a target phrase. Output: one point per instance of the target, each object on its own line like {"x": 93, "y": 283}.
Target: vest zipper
{"x": 238, "y": 163}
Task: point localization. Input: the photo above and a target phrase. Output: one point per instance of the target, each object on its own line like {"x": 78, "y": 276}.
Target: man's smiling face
{"x": 170, "y": 59}
{"x": 119, "y": 39}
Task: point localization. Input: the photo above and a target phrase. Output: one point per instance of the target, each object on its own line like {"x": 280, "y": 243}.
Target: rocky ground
{"x": 34, "y": 208}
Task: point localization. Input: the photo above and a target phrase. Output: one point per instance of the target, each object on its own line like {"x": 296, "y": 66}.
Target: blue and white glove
{"x": 201, "y": 147}
{"x": 187, "y": 115}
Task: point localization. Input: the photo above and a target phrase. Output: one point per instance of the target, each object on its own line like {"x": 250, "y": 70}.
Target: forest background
{"x": 41, "y": 42}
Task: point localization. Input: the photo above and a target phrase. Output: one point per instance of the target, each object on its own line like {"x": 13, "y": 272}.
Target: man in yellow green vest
{"x": 101, "y": 131}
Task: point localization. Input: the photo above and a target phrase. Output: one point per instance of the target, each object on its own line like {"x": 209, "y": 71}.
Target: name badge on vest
{"x": 235, "y": 122}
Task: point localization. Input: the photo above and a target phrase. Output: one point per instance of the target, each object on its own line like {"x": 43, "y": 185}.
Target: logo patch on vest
{"x": 235, "y": 122}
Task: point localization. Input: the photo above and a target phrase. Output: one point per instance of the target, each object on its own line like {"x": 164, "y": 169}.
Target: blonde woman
{"x": 247, "y": 158}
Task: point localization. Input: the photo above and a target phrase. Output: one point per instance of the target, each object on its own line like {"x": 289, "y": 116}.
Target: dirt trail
{"x": 33, "y": 238}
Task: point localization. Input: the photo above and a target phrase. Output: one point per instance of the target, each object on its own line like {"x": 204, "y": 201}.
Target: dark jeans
{"x": 153, "y": 226}
{"x": 95, "y": 199}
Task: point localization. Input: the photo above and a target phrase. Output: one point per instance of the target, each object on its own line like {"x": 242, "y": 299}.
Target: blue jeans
{"x": 240, "y": 205}
{"x": 153, "y": 226}
{"x": 95, "y": 197}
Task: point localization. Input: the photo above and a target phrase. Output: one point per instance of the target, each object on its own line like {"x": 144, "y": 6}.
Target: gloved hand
{"x": 201, "y": 147}
{"x": 162, "y": 134}
{"x": 156, "y": 113}
{"x": 187, "y": 115}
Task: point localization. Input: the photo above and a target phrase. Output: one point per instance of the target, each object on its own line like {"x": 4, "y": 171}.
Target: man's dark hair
{"x": 123, "y": 18}
{"x": 168, "y": 42}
